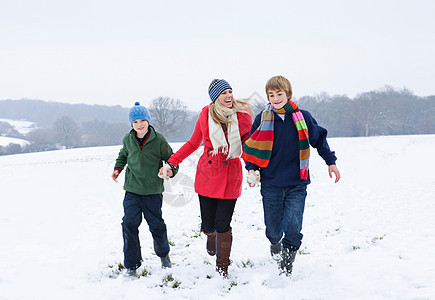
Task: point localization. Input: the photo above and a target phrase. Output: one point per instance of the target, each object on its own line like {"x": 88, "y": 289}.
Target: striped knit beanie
{"x": 217, "y": 86}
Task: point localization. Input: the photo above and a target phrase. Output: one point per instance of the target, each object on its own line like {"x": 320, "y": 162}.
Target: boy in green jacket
{"x": 143, "y": 151}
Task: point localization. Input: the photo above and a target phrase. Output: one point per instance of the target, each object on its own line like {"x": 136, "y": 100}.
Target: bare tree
{"x": 42, "y": 139}
{"x": 168, "y": 115}
{"x": 115, "y": 132}
{"x": 68, "y": 132}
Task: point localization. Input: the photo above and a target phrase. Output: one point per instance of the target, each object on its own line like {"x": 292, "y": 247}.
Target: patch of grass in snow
{"x": 197, "y": 234}
{"x": 256, "y": 227}
{"x": 120, "y": 267}
{"x": 232, "y": 284}
{"x": 248, "y": 263}
{"x": 356, "y": 247}
{"x": 303, "y": 251}
{"x": 115, "y": 269}
{"x": 144, "y": 273}
{"x": 206, "y": 262}
{"x": 169, "y": 280}
{"x": 171, "y": 243}
{"x": 380, "y": 238}
{"x": 329, "y": 233}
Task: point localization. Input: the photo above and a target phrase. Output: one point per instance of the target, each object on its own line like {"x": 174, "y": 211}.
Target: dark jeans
{"x": 283, "y": 211}
{"x": 216, "y": 214}
{"x": 151, "y": 208}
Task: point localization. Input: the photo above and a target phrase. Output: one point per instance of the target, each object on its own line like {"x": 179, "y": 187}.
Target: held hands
{"x": 165, "y": 172}
{"x": 253, "y": 178}
{"x": 115, "y": 175}
{"x": 334, "y": 169}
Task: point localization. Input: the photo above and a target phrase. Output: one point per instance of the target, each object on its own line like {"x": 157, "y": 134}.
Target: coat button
{"x": 210, "y": 148}
{"x": 209, "y": 161}
{"x": 226, "y": 163}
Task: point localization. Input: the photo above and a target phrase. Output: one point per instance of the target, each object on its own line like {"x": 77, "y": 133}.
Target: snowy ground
{"x": 5, "y": 140}
{"x": 23, "y": 127}
{"x": 370, "y": 236}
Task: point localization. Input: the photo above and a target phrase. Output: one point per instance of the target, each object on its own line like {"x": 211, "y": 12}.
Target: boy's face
{"x": 277, "y": 98}
{"x": 140, "y": 126}
{"x": 226, "y": 98}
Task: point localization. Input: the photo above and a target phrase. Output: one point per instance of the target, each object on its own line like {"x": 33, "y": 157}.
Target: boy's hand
{"x": 334, "y": 169}
{"x": 115, "y": 175}
{"x": 165, "y": 172}
{"x": 253, "y": 177}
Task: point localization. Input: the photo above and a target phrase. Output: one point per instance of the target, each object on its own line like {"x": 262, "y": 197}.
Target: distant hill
{"x": 45, "y": 113}
{"x": 28, "y": 125}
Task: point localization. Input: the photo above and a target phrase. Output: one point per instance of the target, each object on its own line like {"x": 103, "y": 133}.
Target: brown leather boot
{"x": 223, "y": 250}
{"x": 211, "y": 242}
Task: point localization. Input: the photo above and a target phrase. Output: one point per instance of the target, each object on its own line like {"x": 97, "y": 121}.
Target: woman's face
{"x": 226, "y": 98}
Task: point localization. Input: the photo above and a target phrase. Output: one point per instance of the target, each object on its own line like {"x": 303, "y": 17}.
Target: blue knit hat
{"x": 217, "y": 86}
{"x": 138, "y": 112}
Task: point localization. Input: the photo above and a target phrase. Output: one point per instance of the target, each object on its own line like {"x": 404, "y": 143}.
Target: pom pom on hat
{"x": 217, "y": 86}
{"x": 138, "y": 112}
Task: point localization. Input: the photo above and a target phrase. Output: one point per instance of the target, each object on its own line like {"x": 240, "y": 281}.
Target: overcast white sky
{"x": 118, "y": 52}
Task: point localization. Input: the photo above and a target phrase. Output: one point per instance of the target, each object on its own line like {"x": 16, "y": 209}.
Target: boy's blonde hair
{"x": 279, "y": 83}
{"x": 220, "y": 113}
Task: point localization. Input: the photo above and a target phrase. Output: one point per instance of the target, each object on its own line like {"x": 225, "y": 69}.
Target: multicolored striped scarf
{"x": 258, "y": 148}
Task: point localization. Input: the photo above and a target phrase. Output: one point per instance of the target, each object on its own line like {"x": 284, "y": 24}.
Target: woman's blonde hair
{"x": 279, "y": 83}
{"x": 220, "y": 113}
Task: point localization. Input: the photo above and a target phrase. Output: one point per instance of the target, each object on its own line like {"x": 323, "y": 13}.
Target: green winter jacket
{"x": 143, "y": 165}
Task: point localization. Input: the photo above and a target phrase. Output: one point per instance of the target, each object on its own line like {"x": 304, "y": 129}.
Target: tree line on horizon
{"x": 385, "y": 111}
{"x": 169, "y": 116}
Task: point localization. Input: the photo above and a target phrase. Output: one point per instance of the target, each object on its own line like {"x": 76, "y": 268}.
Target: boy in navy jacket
{"x": 279, "y": 148}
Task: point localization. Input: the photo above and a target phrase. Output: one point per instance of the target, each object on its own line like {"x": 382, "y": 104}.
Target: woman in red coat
{"x": 223, "y": 126}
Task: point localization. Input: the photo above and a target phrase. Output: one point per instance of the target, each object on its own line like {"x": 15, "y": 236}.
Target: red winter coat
{"x": 216, "y": 177}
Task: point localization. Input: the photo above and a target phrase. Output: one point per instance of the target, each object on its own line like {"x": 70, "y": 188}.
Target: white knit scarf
{"x": 217, "y": 137}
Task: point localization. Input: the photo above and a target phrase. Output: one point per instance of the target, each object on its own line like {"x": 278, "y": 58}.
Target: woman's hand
{"x": 165, "y": 172}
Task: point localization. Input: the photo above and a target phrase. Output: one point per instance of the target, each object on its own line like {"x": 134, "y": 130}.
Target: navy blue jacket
{"x": 283, "y": 167}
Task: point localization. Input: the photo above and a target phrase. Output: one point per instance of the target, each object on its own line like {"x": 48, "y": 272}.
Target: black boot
{"x": 276, "y": 251}
{"x": 166, "y": 262}
{"x": 286, "y": 264}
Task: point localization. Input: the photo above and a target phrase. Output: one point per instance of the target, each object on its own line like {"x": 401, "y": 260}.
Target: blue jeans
{"x": 151, "y": 208}
{"x": 283, "y": 211}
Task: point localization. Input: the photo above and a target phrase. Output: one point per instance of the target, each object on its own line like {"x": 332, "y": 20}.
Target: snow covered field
{"x": 370, "y": 236}
{"x": 23, "y": 127}
{"x": 4, "y": 141}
